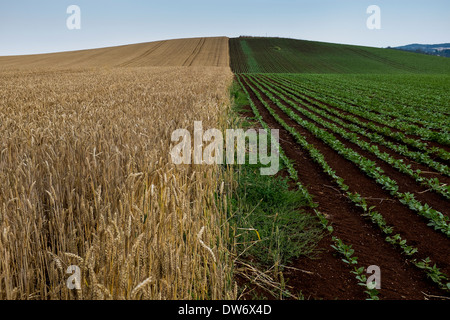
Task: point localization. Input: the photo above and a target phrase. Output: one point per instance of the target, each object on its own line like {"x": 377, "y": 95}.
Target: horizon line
{"x": 199, "y": 37}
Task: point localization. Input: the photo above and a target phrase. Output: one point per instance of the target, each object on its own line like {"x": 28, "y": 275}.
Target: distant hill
{"x": 180, "y": 52}
{"x": 245, "y": 54}
{"x": 280, "y": 55}
{"x": 441, "y": 50}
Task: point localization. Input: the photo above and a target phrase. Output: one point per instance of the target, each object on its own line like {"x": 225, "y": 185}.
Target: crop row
{"x": 406, "y": 127}
{"x": 385, "y": 131}
{"x": 433, "y": 184}
{"x": 379, "y": 95}
{"x": 357, "y": 127}
{"x": 437, "y": 219}
{"x": 376, "y": 218}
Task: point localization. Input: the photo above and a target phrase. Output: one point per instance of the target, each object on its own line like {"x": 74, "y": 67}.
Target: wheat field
{"x": 200, "y": 52}
{"x": 86, "y": 180}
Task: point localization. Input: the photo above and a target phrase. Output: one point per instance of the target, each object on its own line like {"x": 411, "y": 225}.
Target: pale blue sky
{"x": 30, "y": 26}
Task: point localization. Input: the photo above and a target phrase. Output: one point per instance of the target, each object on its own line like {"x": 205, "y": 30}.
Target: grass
{"x": 268, "y": 220}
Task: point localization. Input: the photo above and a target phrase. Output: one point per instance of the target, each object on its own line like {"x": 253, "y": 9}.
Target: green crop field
{"x": 365, "y": 135}
{"x": 278, "y": 55}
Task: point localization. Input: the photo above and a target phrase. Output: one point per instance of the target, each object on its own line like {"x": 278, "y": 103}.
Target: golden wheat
{"x": 86, "y": 180}
{"x": 198, "y": 52}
